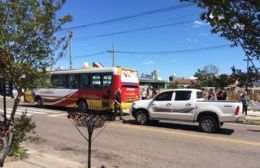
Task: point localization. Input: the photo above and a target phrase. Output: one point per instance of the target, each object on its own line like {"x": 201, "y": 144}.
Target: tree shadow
{"x": 253, "y": 130}
{"x": 181, "y": 126}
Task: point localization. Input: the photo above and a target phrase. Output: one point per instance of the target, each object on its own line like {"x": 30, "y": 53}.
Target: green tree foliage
{"x": 224, "y": 80}
{"x": 245, "y": 79}
{"x": 173, "y": 85}
{"x": 207, "y": 77}
{"x": 235, "y": 20}
{"x": 30, "y": 41}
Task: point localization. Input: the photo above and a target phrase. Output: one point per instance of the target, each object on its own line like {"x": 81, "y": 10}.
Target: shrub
{"x": 23, "y": 129}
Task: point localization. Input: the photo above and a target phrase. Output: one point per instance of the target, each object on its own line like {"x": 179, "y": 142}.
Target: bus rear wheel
{"x": 39, "y": 102}
{"x": 82, "y": 106}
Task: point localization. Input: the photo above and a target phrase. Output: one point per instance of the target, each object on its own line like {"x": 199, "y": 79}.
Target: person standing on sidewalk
{"x": 245, "y": 101}
{"x": 117, "y": 103}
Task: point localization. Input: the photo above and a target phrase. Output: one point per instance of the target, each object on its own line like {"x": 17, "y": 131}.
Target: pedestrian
{"x": 205, "y": 93}
{"x": 117, "y": 104}
{"x": 225, "y": 95}
{"x": 221, "y": 96}
{"x": 245, "y": 102}
{"x": 150, "y": 93}
{"x": 212, "y": 95}
{"x": 154, "y": 92}
{"x": 143, "y": 94}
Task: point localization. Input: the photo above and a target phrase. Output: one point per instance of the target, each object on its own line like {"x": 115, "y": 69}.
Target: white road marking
{"x": 57, "y": 115}
{"x": 31, "y": 111}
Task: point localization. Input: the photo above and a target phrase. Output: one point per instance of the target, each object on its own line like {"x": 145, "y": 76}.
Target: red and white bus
{"x": 93, "y": 88}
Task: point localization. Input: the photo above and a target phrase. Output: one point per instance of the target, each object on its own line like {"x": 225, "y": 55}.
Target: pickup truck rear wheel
{"x": 208, "y": 124}
{"x": 142, "y": 118}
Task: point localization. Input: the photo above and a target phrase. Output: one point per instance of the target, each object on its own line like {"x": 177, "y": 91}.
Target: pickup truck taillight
{"x": 237, "y": 110}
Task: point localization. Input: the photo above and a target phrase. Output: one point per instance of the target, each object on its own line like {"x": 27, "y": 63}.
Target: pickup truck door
{"x": 183, "y": 105}
{"x": 160, "y": 107}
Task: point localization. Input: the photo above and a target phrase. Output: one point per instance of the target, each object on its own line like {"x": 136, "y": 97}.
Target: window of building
{"x": 165, "y": 96}
{"x": 182, "y": 95}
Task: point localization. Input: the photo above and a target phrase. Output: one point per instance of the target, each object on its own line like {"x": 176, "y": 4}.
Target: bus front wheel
{"x": 82, "y": 106}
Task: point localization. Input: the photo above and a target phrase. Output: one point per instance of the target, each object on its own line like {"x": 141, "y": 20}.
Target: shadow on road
{"x": 180, "y": 126}
{"x": 254, "y": 130}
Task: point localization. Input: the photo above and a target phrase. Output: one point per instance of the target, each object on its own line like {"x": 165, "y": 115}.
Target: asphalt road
{"x": 165, "y": 145}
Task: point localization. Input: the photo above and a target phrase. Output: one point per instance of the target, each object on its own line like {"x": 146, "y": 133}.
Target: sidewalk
{"x": 42, "y": 160}
{"x": 8, "y": 98}
{"x": 253, "y": 115}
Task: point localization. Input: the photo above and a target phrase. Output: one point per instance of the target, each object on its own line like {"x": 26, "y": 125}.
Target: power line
{"x": 173, "y": 51}
{"x": 90, "y": 55}
{"x": 156, "y": 52}
{"x": 160, "y": 10}
{"x": 135, "y": 30}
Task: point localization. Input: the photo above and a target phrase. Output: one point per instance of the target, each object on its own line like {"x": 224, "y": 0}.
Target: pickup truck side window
{"x": 165, "y": 96}
{"x": 182, "y": 95}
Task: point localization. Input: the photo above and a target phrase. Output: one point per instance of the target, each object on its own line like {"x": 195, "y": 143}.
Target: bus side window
{"x": 96, "y": 80}
{"x": 72, "y": 81}
{"x": 107, "y": 80}
{"x": 59, "y": 81}
{"x": 54, "y": 81}
{"x": 84, "y": 81}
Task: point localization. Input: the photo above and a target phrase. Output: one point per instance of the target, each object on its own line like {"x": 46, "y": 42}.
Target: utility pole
{"x": 70, "y": 41}
{"x": 113, "y": 55}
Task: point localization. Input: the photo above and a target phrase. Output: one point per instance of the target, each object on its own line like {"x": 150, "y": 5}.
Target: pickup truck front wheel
{"x": 208, "y": 124}
{"x": 142, "y": 118}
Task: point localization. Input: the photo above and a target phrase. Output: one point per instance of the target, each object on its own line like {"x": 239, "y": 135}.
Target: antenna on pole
{"x": 113, "y": 55}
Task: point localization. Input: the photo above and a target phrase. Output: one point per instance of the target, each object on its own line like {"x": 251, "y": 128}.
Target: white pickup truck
{"x": 187, "y": 105}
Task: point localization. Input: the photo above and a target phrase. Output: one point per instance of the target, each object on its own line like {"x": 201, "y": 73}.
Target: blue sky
{"x": 179, "y": 37}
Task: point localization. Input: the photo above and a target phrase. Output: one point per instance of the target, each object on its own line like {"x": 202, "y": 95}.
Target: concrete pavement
{"x": 38, "y": 159}
{"x": 253, "y": 115}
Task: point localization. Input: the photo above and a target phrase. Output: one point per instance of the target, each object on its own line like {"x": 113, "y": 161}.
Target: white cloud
{"x": 149, "y": 62}
{"x": 198, "y": 24}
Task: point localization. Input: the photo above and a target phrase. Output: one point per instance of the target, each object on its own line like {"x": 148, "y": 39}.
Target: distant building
{"x": 152, "y": 79}
{"x": 183, "y": 82}
{"x": 153, "y": 76}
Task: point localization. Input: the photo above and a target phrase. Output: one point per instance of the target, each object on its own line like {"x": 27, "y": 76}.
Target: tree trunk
{"x": 90, "y": 131}
{"x": 16, "y": 103}
{"x": 89, "y": 153}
